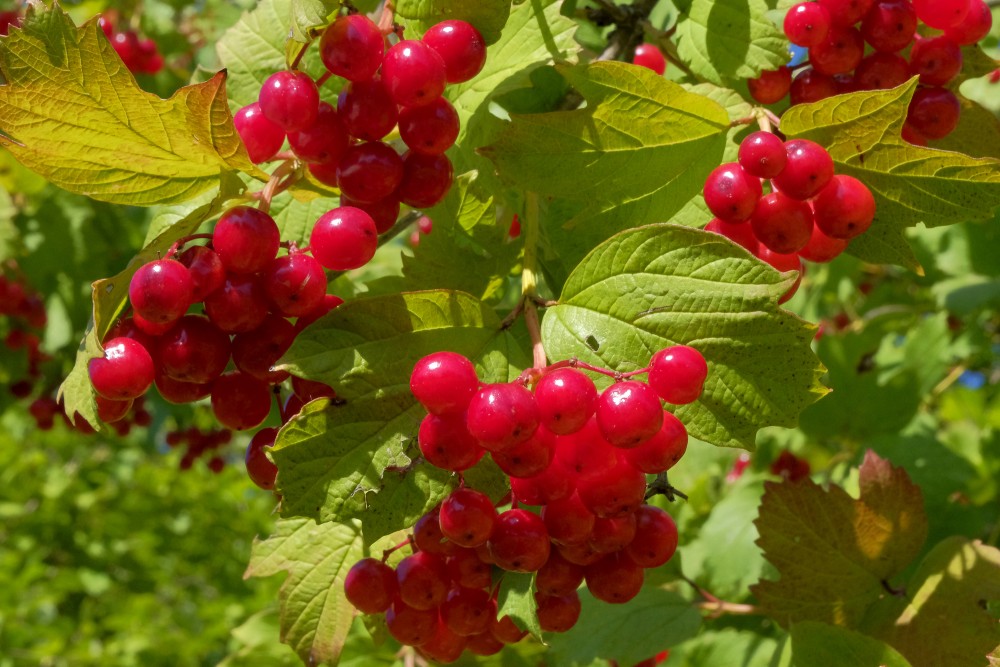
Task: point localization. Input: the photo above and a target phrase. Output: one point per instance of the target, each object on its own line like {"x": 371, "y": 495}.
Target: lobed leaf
{"x": 516, "y": 598}
{"x": 488, "y": 16}
{"x": 821, "y": 645}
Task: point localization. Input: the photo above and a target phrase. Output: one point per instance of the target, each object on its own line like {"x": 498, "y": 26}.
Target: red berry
{"x": 808, "y": 170}
{"x": 461, "y": 47}
{"x": 445, "y": 442}
{"x": 839, "y": 53}
{"x": 483, "y": 644}
{"x": 568, "y": 521}
{"x": 529, "y": 458}
{"x": 580, "y": 554}
{"x": 614, "y": 492}
{"x": 519, "y": 542}
{"x": 430, "y": 129}
{"x": 587, "y": 452}
{"x": 628, "y": 413}
{"x": 550, "y": 485}
{"x": 423, "y": 580}
{"x": 126, "y": 45}
{"x": 807, "y": 24}
{"x": 262, "y": 137}
{"x": 558, "y": 576}
{"x": 344, "y": 238}
{"x": 771, "y": 86}
{"x": 614, "y": 579}
{"x": 468, "y": 611}
{"x": 255, "y": 352}
{"x": 811, "y": 86}
{"x": 445, "y": 647}
{"x": 467, "y": 518}
{"x": 612, "y": 534}
{"x": 370, "y": 586}
{"x": 426, "y": 179}
{"x": 161, "y": 291}
{"x": 179, "y": 393}
{"x": 352, "y": 47}
{"x": 941, "y": 14}
{"x": 206, "y": 270}
{"x": 889, "y": 25}
{"x": 762, "y": 154}
{"x": 649, "y": 56}
{"x": 504, "y": 630}
{"x": 846, "y": 12}
{"x": 367, "y": 110}
{"x": 309, "y": 390}
{"x": 323, "y": 141}
{"x": 974, "y": 27}
{"x": 502, "y": 415}
{"x": 329, "y": 302}
{"x": 655, "y": 537}
{"x": 566, "y": 400}
{"x": 427, "y": 535}
{"x": 239, "y": 305}
{"x": 246, "y": 239}
{"x": 383, "y": 212}
{"x": 108, "y": 411}
{"x": 410, "y": 626}
{"x": 290, "y": 100}
{"x": 240, "y": 401}
{"x": 467, "y": 570}
{"x": 295, "y": 284}
{"x": 678, "y": 374}
{"x": 413, "y": 73}
{"x": 124, "y": 372}
{"x": 937, "y": 60}
{"x": 370, "y": 171}
{"x": 558, "y": 613}
{"x": 844, "y": 208}
{"x": 194, "y": 351}
{"x": 781, "y": 223}
{"x": 933, "y": 112}
{"x": 731, "y": 193}
{"x": 881, "y": 70}
{"x": 740, "y": 233}
{"x": 789, "y": 262}
{"x": 822, "y": 248}
{"x": 663, "y": 450}
{"x": 444, "y": 382}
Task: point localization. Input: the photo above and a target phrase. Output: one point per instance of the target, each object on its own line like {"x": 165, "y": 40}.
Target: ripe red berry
{"x": 483, "y": 644}
{"x": 558, "y": 576}
{"x": 431, "y": 128}
{"x": 352, "y": 47}
{"x": 124, "y": 372}
{"x": 467, "y": 517}
{"x": 444, "y": 646}
{"x": 246, "y": 239}
{"x": 663, "y": 450}
{"x": 678, "y": 374}
{"x": 179, "y": 393}
{"x": 502, "y": 415}
{"x": 309, "y": 390}
{"x": 628, "y": 413}
{"x": 771, "y": 86}
{"x": 461, "y": 48}
{"x": 568, "y": 521}
{"x": 529, "y": 458}
{"x": 367, "y": 110}
{"x": 504, "y": 630}
{"x": 649, "y": 56}
{"x": 445, "y": 442}
{"x": 587, "y": 452}
{"x": 566, "y": 400}
{"x": 290, "y": 100}
{"x": 974, "y": 27}
{"x": 423, "y": 580}
{"x": 370, "y": 171}
{"x": 731, "y": 193}
{"x": 553, "y": 483}
{"x": 844, "y": 208}
{"x": 329, "y": 302}
{"x": 846, "y": 12}
{"x": 941, "y": 14}
{"x": 239, "y": 305}
{"x": 810, "y": 86}
{"x": 262, "y": 137}
{"x": 880, "y": 71}
{"x": 762, "y": 154}
{"x": 558, "y": 613}
{"x": 781, "y": 262}
{"x": 580, "y": 554}
{"x": 612, "y": 534}
{"x": 937, "y": 60}
{"x": 413, "y": 73}
{"x": 808, "y": 170}
{"x": 807, "y": 24}
{"x": 426, "y": 179}
{"x": 520, "y": 542}
{"x": 467, "y": 570}
{"x": 839, "y": 53}
{"x": 614, "y": 492}
{"x": 933, "y": 112}
{"x": 206, "y": 270}
{"x": 427, "y": 535}
{"x": 194, "y": 350}
{"x": 740, "y": 233}
{"x": 413, "y": 627}
{"x": 323, "y": 141}
{"x": 655, "y": 537}
{"x": 468, "y": 611}
{"x": 255, "y": 352}
{"x": 344, "y": 238}
{"x": 822, "y": 248}
{"x": 383, "y": 212}
{"x": 108, "y": 411}
{"x": 444, "y": 382}
{"x": 161, "y": 291}
{"x": 295, "y": 284}
{"x": 889, "y": 25}
{"x": 370, "y": 586}
{"x": 240, "y": 401}
{"x": 614, "y": 579}
{"x": 781, "y": 223}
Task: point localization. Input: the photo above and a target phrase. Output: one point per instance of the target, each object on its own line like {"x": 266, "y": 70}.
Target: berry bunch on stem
{"x": 140, "y": 54}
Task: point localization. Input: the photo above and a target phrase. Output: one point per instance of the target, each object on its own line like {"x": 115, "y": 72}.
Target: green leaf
{"x": 724, "y": 40}
{"x": 75, "y": 115}
{"x": 945, "y": 621}
{"x": 977, "y": 134}
{"x": 309, "y": 14}
{"x": 821, "y": 645}
{"x": 315, "y": 613}
{"x": 406, "y": 495}
{"x": 516, "y": 598}
{"x": 726, "y": 647}
{"x": 660, "y": 285}
{"x": 835, "y": 554}
{"x": 652, "y": 621}
{"x": 911, "y": 184}
{"x": 642, "y": 146}
{"x": 488, "y": 16}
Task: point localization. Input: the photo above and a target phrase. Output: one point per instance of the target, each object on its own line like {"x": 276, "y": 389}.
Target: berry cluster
{"x": 579, "y": 455}
{"x": 810, "y": 212}
{"x": 8, "y": 19}
{"x": 22, "y": 315}
{"x": 139, "y": 54}
{"x": 649, "y": 56}
{"x": 836, "y": 33}
{"x": 198, "y": 443}
{"x": 344, "y": 147}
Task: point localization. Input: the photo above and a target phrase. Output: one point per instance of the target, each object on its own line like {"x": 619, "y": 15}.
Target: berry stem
{"x": 717, "y": 607}
{"x": 391, "y": 550}
{"x": 276, "y": 184}
{"x": 661, "y": 486}
{"x": 181, "y": 242}
{"x": 529, "y": 280}
{"x": 387, "y": 19}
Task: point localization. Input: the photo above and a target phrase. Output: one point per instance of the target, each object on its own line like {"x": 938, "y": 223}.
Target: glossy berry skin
{"x": 740, "y": 233}
{"x": 426, "y": 179}
{"x": 889, "y": 25}
{"x": 151, "y": 328}
{"x": 467, "y": 517}
{"x": 323, "y": 141}
{"x": 879, "y": 71}
{"x": 261, "y": 136}
{"x": 771, "y": 86}
{"x": 413, "y": 73}
{"x": 781, "y": 223}
{"x": 614, "y": 492}
{"x": 807, "y": 24}
{"x": 529, "y": 458}
{"x": 445, "y": 442}
{"x": 383, "y": 212}
{"x": 430, "y": 129}
{"x": 344, "y": 238}
{"x": 677, "y": 374}
{"x": 558, "y": 613}
{"x": 628, "y": 413}
{"x": 808, "y": 170}
{"x": 614, "y": 579}
{"x": 810, "y": 86}
{"x": 240, "y": 401}
{"x": 352, "y": 47}
{"x": 933, "y": 112}
{"x": 290, "y": 100}
{"x": 822, "y": 248}
{"x": 730, "y": 193}
{"x": 661, "y": 452}
{"x": 566, "y": 400}
{"x": 367, "y": 110}
{"x": 580, "y": 554}
{"x": 444, "y": 646}
{"x": 789, "y": 262}
{"x": 427, "y": 536}
{"x": 260, "y": 469}
{"x": 255, "y": 352}
{"x": 550, "y": 485}
{"x": 586, "y": 453}
{"x": 179, "y": 393}
{"x": 611, "y": 535}
{"x": 520, "y": 542}
{"x": 239, "y": 305}
{"x": 844, "y": 208}
{"x": 505, "y": 630}
{"x": 310, "y": 390}
{"x": 846, "y": 12}
{"x": 501, "y": 415}
{"x": 484, "y": 644}
{"x": 370, "y": 586}
{"x": 467, "y": 570}
{"x": 246, "y": 239}
{"x": 762, "y": 154}
{"x": 650, "y": 57}
{"x": 161, "y": 290}
{"x": 109, "y": 411}
{"x": 839, "y": 53}
{"x": 194, "y": 350}
{"x": 206, "y": 270}
{"x": 467, "y": 611}
{"x": 124, "y": 372}
{"x": 461, "y": 48}
{"x": 423, "y": 580}
{"x": 568, "y": 521}
{"x": 974, "y": 27}
{"x": 413, "y": 627}
{"x": 328, "y": 303}
{"x": 444, "y": 382}
{"x": 558, "y": 576}
{"x": 655, "y": 537}
{"x": 937, "y": 60}
{"x": 370, "y": 171}
{"x": 295, "y": 284}
{"x": 941, "y": 14}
